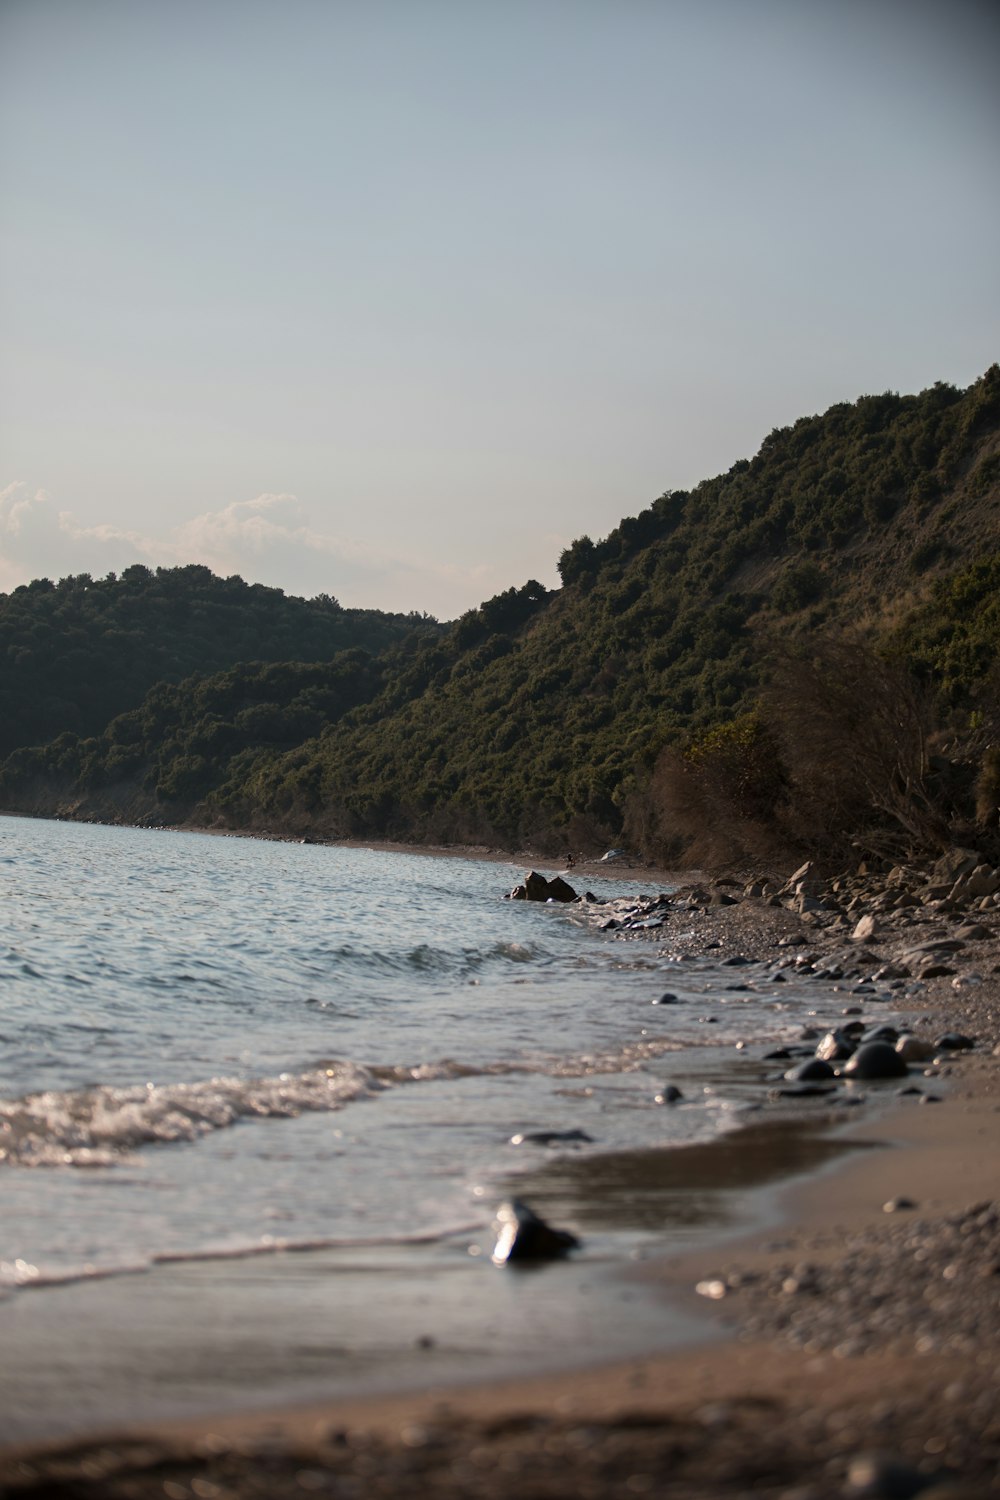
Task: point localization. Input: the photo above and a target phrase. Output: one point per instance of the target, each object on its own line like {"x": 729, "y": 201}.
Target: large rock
{"x": 875, "y": 1060}
{"x": 537, "y": 888}
{"x": 523, "y": 1236}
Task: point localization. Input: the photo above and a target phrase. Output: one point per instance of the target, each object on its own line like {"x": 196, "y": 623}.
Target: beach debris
{"x": 550, "y": 1138}
{"x": 523, "y": 1236}
{"x": 875, "y": 1060}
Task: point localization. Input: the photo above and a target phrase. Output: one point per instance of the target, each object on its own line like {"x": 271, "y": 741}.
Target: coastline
{"x": 825, "y": 1403}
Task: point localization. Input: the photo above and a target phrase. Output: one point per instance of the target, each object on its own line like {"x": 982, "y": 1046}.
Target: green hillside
{"x": 78, "y": 652}
{"x": 858, "y": 553}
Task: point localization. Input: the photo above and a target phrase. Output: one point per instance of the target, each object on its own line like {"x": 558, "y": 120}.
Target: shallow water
{"x": 214, "y": 1047}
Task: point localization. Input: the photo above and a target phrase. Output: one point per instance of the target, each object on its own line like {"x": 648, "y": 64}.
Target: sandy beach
{"x": 851, "y": 1350}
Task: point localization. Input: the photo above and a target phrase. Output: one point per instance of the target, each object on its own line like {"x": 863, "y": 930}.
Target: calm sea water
{"x": 214, "y": 1047}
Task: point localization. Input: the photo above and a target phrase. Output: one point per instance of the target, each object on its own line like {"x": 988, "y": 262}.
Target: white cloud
{"x": 268, "y": 539}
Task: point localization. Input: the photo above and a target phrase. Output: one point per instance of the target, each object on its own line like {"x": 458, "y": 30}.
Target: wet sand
{"x": 839, "y": 1333}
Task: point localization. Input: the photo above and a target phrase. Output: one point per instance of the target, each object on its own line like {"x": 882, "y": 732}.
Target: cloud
{"x": 268, "y": 539}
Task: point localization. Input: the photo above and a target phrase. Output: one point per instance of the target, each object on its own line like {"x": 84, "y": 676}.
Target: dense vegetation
{"x": 844, "y": 580}
{"x": 77, "y": 652}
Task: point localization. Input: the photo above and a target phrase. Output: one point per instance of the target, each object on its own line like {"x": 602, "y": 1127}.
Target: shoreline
{"x": 829, "y": 1393}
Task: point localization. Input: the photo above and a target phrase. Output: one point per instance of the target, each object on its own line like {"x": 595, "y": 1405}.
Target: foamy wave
{"x": 97, "y": 1127}
{"x": 100, "y": 1127}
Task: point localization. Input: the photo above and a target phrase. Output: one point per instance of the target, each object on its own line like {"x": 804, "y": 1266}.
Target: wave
{"x": 21, "y": 1275}
{"x": 103, "y": 1125}
{"x": 98, "y": 1127}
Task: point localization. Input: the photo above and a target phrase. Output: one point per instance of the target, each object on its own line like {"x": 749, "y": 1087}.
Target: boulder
{"x": 953, "y": 865}
{"x": 810, "y": 1072}
{"x": 523, "y": 1236}
{"x": 537, "y": 888}
{"x": 875, "y": 1060}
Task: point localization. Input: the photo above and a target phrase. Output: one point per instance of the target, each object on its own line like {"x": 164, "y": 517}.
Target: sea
{"x": 260, "y": 1101}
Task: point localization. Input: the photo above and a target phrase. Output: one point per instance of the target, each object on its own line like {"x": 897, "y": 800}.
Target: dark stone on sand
{"x": 780, "y": 1054}
{"x": 669, "y": 1094}
{"x": 935, "y": 971}
{"x": 955, "y": 1041}
{"x": 668, "y": 998}
{"x": 560, "y": 890}
{"x": 877, "y": 1476}
{"x": 881, "y": 1034}
{"x": 810, "y": 1072}
{"x": 523, "y": 1236}
{"x": 551, "y": 1138}
{"x": 804, "y": 1091}
{"x": 875, "y": 1060}
{"x": 736, "y": 961}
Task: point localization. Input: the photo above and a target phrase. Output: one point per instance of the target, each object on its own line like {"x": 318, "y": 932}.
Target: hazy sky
{"x": 393, "y": 299}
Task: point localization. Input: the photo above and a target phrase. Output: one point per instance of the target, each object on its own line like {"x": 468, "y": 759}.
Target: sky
{"x": 394, "y": 299}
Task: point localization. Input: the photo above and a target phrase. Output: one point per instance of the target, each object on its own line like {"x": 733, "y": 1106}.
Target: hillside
{"x": 78, "y": 652}
{"x": 651, "y": 679}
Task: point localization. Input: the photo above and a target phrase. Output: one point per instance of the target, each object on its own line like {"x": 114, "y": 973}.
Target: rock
{"x": 523, "y": 1236}
{"x": 951, "y": 866}
{"x": 954, "y": 1041}
{"x": 669, "y": 1094}
{"x": 933, "y": 970}
{"x": 668, "y": 998}
{"x": 810, "y": 1072}
{"x": 835, "y": 1047}
{"x": 865, "y": 930}
{"x": 879, "y": 1477}
{"x": 982, "y": 882}
{"x": 915, "y": 1049}
{"x": 974, "y": 932}
{"x": 898, "y": 1205}
{"x": 803, "y": 1091}
{"x": 551, "y": 1138}
{"x": 804, "y": 872}
{"x": 536, "y": 887}
{"x": 875, "y": 1060}
{"x": 880, "y": 1034}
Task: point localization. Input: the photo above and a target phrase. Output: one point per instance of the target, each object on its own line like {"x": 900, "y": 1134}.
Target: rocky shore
{"x": 860, "y": 1349}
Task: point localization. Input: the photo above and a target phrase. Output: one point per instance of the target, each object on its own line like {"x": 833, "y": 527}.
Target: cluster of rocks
{"x": 959, "y": 882}
{"x": 536, "y": 887}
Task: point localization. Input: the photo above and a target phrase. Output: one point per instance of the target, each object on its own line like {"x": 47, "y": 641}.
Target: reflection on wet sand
{"x": 679, "y": 1186}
